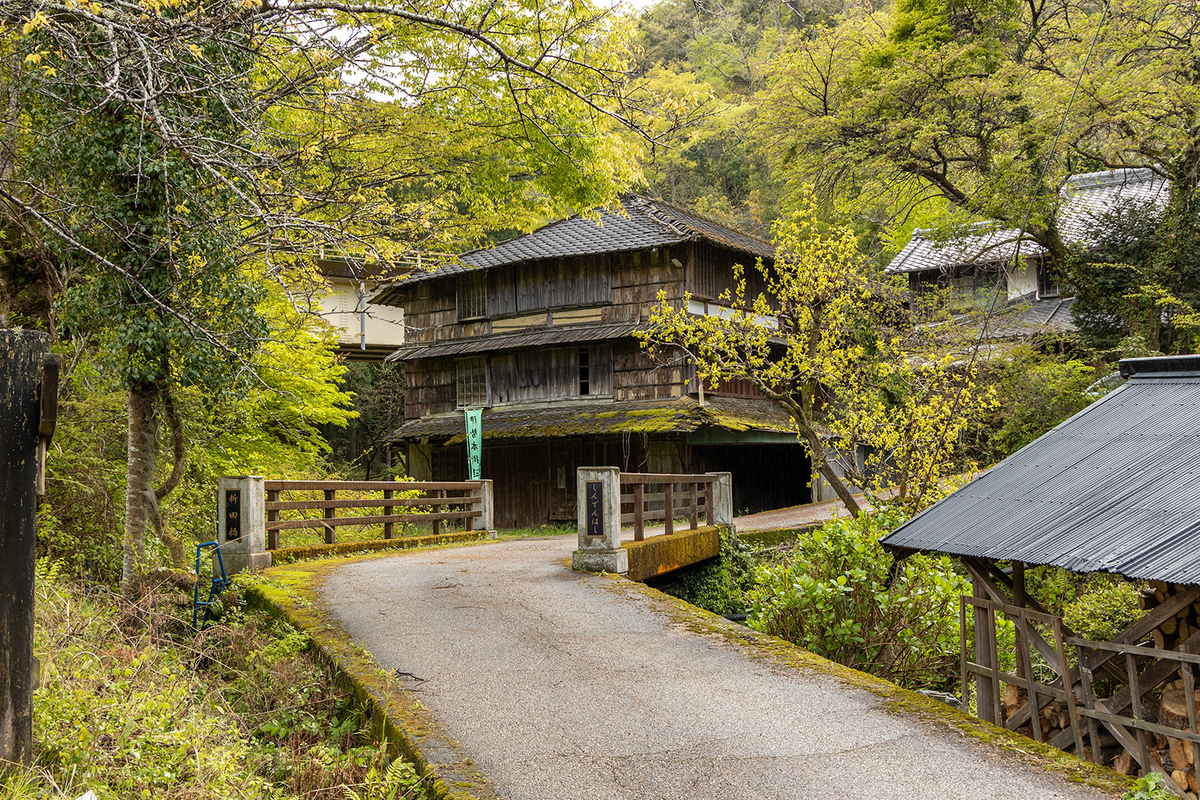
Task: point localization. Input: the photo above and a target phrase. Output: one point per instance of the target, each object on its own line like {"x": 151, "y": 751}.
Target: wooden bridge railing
{"x": 431, "y": 502}
{"x": 663, "y": 505}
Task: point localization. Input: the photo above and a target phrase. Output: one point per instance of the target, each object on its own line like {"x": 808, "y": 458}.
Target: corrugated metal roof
{"x": 1085, "y": 200}
{"x": 572, "y": 418}
{"x": 642, "y": 224}
{"x": 535, "y": 338}
{"x": 1116, "y": 488}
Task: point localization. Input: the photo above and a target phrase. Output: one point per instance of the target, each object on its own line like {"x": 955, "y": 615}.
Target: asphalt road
{"x": 562, "y": 685}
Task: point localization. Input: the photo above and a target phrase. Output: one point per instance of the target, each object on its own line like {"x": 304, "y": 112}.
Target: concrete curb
{"x": 896, "y": 698}
{"x": 396, "y": 715}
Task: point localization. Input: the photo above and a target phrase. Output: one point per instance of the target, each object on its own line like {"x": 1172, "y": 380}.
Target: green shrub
{"x": 831, "y": 595}
{"x": 1108, "y": 606}
{"x": 718, "y": 585}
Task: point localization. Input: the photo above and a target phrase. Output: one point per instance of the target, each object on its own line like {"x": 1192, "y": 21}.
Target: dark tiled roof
{"x": 1112, "y": 489}
{"x": 642, "y": 224}
{"x": 1085, "y": 200}
{"x": 551, "y": 420}
{"x": 572, "y": 334}
{"x": 1025, "y": 319}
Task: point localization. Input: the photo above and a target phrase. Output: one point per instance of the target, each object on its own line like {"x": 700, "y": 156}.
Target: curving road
{"x": 565, "y": 685}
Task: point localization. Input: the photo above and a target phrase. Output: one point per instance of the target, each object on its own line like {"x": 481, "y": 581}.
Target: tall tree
{"x": 837, "y": 352}
{"x": 171, "y": 155}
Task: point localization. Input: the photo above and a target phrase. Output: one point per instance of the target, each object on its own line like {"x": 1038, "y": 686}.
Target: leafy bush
{"x": 1034, "y": 392}
{"x": 831, "y": 595}
{"x": 1108, "y": 606}
{"x": 718, "y": 585}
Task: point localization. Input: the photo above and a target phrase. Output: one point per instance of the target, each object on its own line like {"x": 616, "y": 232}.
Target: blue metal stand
{"x": 219, "y": 584}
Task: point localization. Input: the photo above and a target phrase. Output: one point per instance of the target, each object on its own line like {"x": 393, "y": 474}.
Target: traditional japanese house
{"x": 539, "y": 332}
{"x": 366, "y": 331}
{"x": 1113, "y": 489}
{"x": 986, "y": 258}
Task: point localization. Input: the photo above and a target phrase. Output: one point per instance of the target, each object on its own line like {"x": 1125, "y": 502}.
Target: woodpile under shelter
{"x": 1114, "y": 489}
{"x": 540, "y": 333}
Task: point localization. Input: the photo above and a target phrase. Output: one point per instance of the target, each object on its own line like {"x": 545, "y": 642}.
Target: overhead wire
{"x": 1021, "y": 231}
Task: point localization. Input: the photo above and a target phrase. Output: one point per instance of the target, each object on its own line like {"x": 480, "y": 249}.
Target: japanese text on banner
{"x": 474, "y": 442}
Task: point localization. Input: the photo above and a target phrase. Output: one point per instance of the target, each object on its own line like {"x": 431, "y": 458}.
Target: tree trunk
{"x": 820, "y": 457}
{"x": 140, "y": 502}
{"x": 179, "y": 553}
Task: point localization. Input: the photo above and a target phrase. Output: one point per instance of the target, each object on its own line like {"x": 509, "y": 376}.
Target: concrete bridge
{"x": 558, "y": 684}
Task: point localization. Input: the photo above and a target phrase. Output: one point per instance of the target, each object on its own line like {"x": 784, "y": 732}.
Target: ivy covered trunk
{"x": 140, "y": 502}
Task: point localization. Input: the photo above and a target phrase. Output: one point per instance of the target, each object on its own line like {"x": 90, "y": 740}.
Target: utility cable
{"x": 1021, "y": 231}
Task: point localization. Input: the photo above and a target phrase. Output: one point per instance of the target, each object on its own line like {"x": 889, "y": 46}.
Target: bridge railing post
{"x": 721, "y": 512}
{"x": 598, "y": 509}
{"x": 242, "y": 523}
{"x": 486, "y": 493}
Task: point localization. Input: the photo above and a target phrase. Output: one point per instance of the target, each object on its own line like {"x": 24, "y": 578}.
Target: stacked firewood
{"x": 1053, "y": 717}
{"x": 1178, "y": 628}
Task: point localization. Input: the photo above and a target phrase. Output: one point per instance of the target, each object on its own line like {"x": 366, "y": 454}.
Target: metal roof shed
{"x": 1116, "y": 488}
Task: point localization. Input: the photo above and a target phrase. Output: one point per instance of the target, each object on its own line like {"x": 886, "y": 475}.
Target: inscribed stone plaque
{"x": 233, "y": 514}
{"x": 594, "y": 506}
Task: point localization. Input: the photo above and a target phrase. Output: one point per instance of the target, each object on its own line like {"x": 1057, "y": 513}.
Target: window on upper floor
{"x": 471, "y": 381}
{"x": 1047, "y": 282}
{"x": 472, "y": 295}
{"x": 585, "y": 378}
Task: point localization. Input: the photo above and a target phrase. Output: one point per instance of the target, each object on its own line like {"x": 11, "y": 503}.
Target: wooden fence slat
{"x": 388, "y": 529}
{"x": 639, "y": 512}
{"x": 292, "y": 524}
{"x": 695, "y": 511}
{"x": 272, "y": 516}
{"x": 708, "y": 503}
{"x": 330, "y": 533}
{"x": 369, "y": 486}
{"x": 370, "y": 502}
{"x": 1035, "y": 719}
{"x": 669, "y": 507}
{"x": 665, "y": 478}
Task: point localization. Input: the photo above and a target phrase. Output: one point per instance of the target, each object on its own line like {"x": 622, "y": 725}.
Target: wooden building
{"x": 539, "y": 331}
{"x": 987, "y": 260}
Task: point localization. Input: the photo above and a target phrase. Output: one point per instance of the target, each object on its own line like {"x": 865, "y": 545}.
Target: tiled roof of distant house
{"x": 1086, "y": 199}
{"x": 641, "y": 224}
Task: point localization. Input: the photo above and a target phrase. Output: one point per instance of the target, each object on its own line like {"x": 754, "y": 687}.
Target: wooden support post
{"x": 1024, "y": 659}
{"x": 330, "y": 532}
{"x": 708, "y": 503}
{"x": 669, "y": 508}
{"x": 1189, "y": 689}
{"x": 388, "y": 531}
{"x": 22, "y": 356}
{"x": 639, "y": 512}
{"x": 692, "y": 504}
{"x": 272, "y": 516}
{"x": 1063, "y": 667}
{"x": 1019, "y": 599}
{"x": 986, "y": 690}
{"x": 437, "y": 509}
{"x": 1135, "y": 697}
{"x": 469, "y": 522}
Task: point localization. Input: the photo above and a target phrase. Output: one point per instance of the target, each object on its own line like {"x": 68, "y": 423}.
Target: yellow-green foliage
{"x": 837, "y": 350}
{"x": 1109, "y": 605}
{"x": 133, "y": 704}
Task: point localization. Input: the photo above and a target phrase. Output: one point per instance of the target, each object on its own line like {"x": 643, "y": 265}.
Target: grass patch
{"x": 135, "y": 704}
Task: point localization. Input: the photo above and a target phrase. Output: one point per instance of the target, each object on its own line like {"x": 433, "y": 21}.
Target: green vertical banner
{"x": 474, "y": 442}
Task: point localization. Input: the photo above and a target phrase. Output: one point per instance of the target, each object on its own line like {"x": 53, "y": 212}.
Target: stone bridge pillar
{"x": 242, "y": 523}
{"x": 598, "y": 509}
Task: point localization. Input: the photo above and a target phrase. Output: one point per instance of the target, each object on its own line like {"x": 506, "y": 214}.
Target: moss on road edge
{"x": 895, "y": 698}
{"x": 290, "y": 592}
